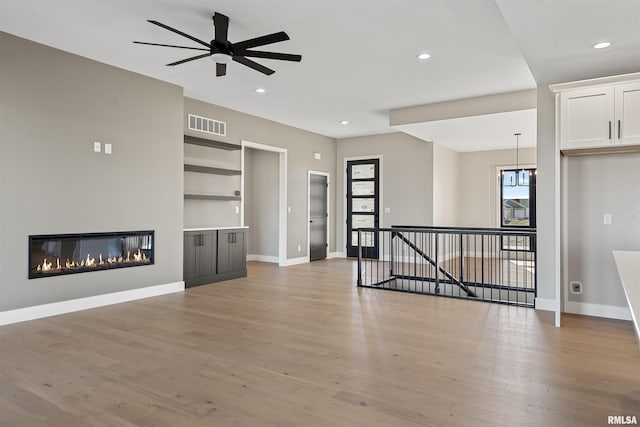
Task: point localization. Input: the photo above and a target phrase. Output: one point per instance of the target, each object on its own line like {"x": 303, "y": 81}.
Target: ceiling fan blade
{"x": 221, "y": 24}
{"x": 166, "y": 27}
{"x": 171, "y": 45}
{"x": 262, "y": 40}
{"x": 193, "y": 58}
{"x": 252, "y": 64}
{"x": 221, "y": 70}
{"x": 270, "y": 55}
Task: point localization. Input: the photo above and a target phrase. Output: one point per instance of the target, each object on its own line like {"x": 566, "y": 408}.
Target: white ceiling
{"x": 479, "y": 133}
{"x": 556, "y": 37}
{"x": 359, "y": 56}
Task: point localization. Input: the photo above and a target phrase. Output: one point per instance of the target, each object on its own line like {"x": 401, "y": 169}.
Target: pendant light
{"x": 519, "y": 174}
{"x": 518, "y": 171}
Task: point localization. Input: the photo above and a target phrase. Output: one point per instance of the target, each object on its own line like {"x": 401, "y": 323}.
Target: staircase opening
{"x": 482, "y": 264}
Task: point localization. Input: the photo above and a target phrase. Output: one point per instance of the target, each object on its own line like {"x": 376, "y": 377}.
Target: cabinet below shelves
{"x": 213, "y": 256}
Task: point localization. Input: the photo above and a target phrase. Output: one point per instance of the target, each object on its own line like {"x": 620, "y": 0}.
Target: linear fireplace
{"x": 57, "y": 254}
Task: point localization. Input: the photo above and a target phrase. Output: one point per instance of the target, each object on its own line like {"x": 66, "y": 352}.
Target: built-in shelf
{"x": 194, "y": 140}
{"x": 210, "y": 170}
{"x": 209, "y": 197}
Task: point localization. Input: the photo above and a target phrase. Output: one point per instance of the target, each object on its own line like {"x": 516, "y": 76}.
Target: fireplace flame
{"x": 46, "y": 266}
{"x": 138, "y": 257}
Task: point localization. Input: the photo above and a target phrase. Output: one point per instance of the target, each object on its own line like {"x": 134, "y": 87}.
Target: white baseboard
{"x": 331, "y": 255}
{"x": 263, "y": 258}
{"x": 295, "y": 261}
{"x": 62, "y": 307}
{"x": 546, "y": 304}
{"x": 598, "y": 310}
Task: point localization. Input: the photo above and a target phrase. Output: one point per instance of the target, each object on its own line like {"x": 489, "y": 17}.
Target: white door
{"x": 627, "y": 126}
{"x": 587, "y": 118}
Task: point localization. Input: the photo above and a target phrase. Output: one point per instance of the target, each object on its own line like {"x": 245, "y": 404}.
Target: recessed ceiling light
{"x": 424, "y": 56}
{"x": 344, "y": 122}
{"x": 601, "y": 45}
{"x": 260, "y": 90}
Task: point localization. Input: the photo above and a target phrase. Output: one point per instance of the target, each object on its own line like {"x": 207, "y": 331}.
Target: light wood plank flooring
{"x": 302, "y": 346}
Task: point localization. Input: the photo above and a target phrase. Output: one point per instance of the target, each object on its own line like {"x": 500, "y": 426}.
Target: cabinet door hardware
{"x": 619, "y": 130}
{"x": 609, "y": 129}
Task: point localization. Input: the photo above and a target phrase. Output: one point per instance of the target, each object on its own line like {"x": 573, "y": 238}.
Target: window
{"x": 518, "y": 198}
{"x": 517, "y": 206}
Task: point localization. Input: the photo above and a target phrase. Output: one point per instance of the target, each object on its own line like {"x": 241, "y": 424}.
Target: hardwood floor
{"x": 303, "y": 346}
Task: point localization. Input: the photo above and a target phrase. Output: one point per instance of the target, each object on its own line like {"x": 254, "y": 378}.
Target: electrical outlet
{"x": 97, "y": 147}
{"x": 575, "y": 287}
{"x": 237, "y": 209}
{"x": 299, "y": 248}
{"x": 387, "y": 210}
{"x": 607, "y": 219}
{"x": 288, "y": 209}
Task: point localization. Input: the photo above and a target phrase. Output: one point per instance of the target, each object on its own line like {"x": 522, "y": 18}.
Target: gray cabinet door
{"x": 231, "y": 251}
{"x": 207, "y": 254}
{"x": 224, "y": 251}
{"x": 199, "y": 254}
{"x": 190, "y": 268}
{"x": 238, "y": 253}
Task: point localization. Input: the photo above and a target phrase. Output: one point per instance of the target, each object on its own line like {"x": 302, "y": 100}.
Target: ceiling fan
{"x": 222, "y": 50}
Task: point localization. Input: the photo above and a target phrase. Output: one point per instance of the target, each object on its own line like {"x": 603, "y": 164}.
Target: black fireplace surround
{"x": 58, "y": 254}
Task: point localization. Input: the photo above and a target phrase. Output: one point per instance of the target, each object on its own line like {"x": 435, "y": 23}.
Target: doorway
{"x": 282, "y": 194}
{"x": 318, "y": 236}
{"x": 363, "y": 206}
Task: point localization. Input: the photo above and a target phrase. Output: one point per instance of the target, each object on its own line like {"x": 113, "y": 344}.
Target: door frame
{"x": 345, "y": 234}
{"x": 282, "y": 193}
{"x": 328, "y": 175}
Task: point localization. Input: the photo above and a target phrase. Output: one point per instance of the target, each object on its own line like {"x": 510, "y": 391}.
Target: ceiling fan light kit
{"x": 222, "y": 51}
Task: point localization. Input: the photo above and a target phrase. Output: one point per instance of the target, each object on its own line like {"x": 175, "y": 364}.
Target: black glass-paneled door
{"x": 363, "y": 200}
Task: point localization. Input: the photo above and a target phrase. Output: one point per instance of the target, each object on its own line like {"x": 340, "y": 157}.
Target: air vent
{"x": 203, "y": 124}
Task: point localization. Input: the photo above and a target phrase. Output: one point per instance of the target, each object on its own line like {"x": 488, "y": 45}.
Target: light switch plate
{"x": 607, "y": 219}
{"x": 97, "y": 146}
{"x": 107, "y": 148}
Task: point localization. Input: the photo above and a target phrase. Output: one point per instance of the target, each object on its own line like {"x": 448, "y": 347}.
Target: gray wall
{"x": 300, "y": 144}
{"x": 598, "y": 185}
{"x": 53, "y": 106}
{"x": 261, "y": 182}
{"x": 407, "y": 179}
{"x": 446, "y": 186}
{"x": 478, "y": 189}
{"x": 546, "y": 195}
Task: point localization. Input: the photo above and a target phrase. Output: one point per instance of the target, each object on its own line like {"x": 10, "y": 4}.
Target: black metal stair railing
{"x": 483, "y": 264}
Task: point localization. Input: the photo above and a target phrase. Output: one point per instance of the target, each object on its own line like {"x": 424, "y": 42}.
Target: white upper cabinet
{"x": 627, "y": 125}
{"x": 587, "y": 117}
{"x": 600, "y": 116}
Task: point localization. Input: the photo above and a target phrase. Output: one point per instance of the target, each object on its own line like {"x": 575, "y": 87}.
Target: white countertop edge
{"x": 215, "y": 228}
{"x": 625, "y": 261}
